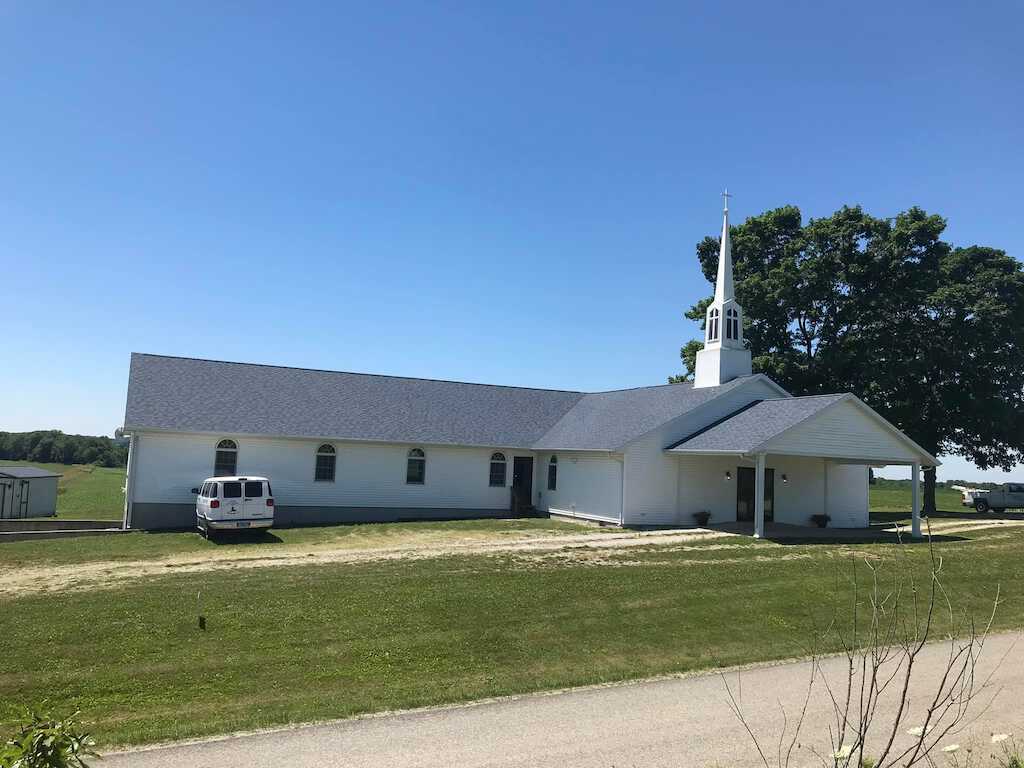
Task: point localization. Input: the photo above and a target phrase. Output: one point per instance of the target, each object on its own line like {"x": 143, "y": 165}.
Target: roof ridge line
{"x": 378, "y": 375}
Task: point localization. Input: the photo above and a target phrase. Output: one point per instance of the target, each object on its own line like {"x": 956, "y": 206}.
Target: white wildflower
{"x": 997, "y": 737}
{"x": 919, "y": 730}
{"x": 951, "y": 748}
{"x": 844, "y": 752}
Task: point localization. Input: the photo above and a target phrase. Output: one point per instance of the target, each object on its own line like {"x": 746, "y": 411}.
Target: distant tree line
{"x": 54, "y": 447}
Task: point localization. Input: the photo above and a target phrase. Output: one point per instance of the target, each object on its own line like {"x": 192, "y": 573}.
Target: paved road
{"x": 674, "y": 722}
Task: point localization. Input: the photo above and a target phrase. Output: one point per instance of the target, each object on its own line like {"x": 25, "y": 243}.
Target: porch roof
{"x": 853, "y": 431}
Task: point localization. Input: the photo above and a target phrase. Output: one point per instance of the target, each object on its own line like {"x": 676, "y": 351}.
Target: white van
{"x": 232, "y": 503}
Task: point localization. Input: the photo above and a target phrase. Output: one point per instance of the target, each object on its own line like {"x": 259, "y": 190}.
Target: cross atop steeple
{"x": 726, "y": 195}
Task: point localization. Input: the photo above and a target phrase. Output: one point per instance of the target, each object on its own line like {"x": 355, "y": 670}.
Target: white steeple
{"x": 724, "y": 356}
{"x": 723, "y": 285}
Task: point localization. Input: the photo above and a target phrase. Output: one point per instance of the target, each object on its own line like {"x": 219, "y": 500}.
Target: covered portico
{"x": 804, "y": 456}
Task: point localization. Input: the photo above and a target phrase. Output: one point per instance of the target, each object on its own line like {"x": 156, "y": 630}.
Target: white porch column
{"x": 915, "y": 500}
{"x": 759, "y": 497}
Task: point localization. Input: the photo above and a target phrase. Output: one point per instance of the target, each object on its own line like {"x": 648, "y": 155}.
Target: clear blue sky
{"x": 496, "y": 192}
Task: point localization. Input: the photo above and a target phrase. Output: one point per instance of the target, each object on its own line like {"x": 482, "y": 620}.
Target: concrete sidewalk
{"x": 681, "y": 721}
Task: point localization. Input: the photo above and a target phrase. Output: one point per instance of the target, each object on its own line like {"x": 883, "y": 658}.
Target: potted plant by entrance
{"x": 820, "y": 520}
{"x": 702, "y": 517}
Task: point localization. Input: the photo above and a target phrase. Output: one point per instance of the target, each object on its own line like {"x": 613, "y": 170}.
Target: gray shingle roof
{"x": 744, "y": 430}
{"x": 26, "y": 473}
{"x": 189, "y": 395}
{"x": 609, "y": 420}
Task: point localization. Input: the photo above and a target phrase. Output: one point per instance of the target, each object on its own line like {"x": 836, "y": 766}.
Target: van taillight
{"x": 270, "y": 502}
{"x": 214, "y": 504}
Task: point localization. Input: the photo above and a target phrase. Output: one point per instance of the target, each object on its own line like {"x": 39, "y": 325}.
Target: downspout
{"x": 129, "y": 481}
{"x": 622, "y": 490}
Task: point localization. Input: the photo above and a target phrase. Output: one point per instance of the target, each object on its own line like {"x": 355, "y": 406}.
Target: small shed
{"x": 27, "y": 492}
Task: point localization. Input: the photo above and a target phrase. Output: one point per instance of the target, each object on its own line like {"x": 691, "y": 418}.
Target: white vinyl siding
{"x": 589, "y": 486}
{"x": 702, "y": 486}
{"x": 651, "y": 475}
{"x": 167, "y": 466}
{"x": 844, "y": 430}
{"x": 847, "y": 495}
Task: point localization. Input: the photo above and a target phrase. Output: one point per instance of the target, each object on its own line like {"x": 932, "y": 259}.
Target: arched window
{"x": 225, "y": 461}
{"x": 553, "y": 473}
{"x": 732, "y": 324}
{"x": 326, "y": 457}
{"x": 498, "y": 467}
{"x": 416, "y": 467}
{"x": 713, "y": 325}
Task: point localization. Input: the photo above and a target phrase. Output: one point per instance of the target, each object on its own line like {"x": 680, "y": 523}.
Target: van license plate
{"x": 243, "y": 525}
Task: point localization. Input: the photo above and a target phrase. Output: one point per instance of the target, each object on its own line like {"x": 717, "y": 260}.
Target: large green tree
{"x": 929, "y": 335}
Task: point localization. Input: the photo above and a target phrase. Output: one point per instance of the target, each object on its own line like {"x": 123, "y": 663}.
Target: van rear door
{"x": 254, "y": 503}
{"x": 231, "y": 498}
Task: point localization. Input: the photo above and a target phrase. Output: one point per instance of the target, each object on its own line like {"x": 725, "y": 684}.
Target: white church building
{"x": 348, "y": 447}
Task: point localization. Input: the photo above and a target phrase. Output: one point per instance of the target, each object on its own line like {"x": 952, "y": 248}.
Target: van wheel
{"x": 981, "y": 506}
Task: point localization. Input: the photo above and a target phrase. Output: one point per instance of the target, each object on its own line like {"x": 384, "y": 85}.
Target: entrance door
{"x": 6, "y": 498}
{"x": 25, "y": 485}
{"x": 522, "y": 482}
{"x": 745, "y": 484}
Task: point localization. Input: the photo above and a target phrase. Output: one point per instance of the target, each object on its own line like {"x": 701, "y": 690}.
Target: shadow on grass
{"x": 968, "y": 515}
{"x": 223, "y": 538}
{"x": 257, "y": 536}
{"x": 798, "y": 534}
{"x": 868, "y": 537}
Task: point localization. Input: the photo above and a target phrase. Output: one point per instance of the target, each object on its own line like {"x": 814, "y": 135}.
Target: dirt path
{"x": 105, "y": 574}
{"x": 596, "y": 548}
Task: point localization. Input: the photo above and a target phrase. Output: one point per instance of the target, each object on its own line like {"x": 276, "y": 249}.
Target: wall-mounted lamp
{"x": 728, "y": 475}
{"x": 785, "y": 479}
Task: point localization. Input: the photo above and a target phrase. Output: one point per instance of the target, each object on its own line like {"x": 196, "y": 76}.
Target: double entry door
{"x": 745, "y": 486}
{"x": 13, "y": 498}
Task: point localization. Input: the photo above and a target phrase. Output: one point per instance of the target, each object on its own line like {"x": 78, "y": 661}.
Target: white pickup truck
{"x": 1006, "y": 496}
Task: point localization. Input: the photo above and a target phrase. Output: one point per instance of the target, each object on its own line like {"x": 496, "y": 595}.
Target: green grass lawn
{"x": 896, "y": 498}
{"x": 84, "y": 491}
{"x": 294, "y": 643}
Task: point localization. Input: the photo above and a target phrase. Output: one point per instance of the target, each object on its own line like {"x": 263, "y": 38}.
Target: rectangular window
{"x": 498, "y": 474}
{"x": 253, "y": 489}
{"x": 233, "y": 490}
{"x": 225, "y": 463}
{"x": 212, "y": 491}
{"x": 324, "y": 468}
{"x": 204, "y": 489}
{"x": 416, "y": 471}
{"x": 552, "y": 477}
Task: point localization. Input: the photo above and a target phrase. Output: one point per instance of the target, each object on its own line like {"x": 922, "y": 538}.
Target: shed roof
{"x": 208, "y": 396}
{"x": 26, "y": 473}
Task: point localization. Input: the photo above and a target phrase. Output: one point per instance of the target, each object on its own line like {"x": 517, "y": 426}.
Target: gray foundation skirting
{"x": 151, "y": 517}
{"x": 57, "y": 525}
